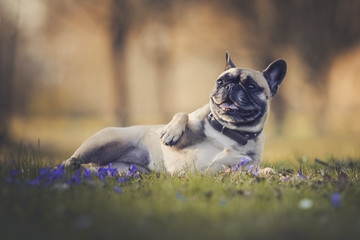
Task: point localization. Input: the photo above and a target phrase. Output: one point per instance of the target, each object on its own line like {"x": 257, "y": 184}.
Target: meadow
{"x": 304, "y": 199}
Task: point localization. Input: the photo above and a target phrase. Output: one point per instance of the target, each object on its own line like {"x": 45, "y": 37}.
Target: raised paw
{"x": 172, "y": 132}
{"x": 170, "y": 135}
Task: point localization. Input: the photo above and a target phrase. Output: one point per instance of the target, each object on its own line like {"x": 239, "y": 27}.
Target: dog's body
{"x": 216, "y": 135}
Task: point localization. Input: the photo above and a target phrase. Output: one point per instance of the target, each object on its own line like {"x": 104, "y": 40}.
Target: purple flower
{"x": 336, "y": 200}
{"x": 57, "y": 173}
{"x": 133, "y": 169}
{"x": 250, "y": 168}
{"x": 113, "y": 171}
{"x": 102, "y": 173}
{"x": 300, "y": 176}
{"x": 117, "y": 189}
{"x": 14, "y": 173}
{"x": 287, "y": 178}
{"x": 44, "y": 171}
{"x": 34, "y": 182}
{"x": 256, "y": 173}
{"x": 75, "y": 178}
{"x": 243, "y": 161}
{"x": 87, "y": 173}
{"x": 121, "y": 180}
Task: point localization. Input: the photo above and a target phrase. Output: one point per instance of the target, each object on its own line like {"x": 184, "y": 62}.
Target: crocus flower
{"x": 250, "y": 167}
{"x": 300, "y": 175}
{"x": 117, "y": 189}
{"x": 133, "y": 169}
{"x": 336, "y": 200}
{"x": 242, "y": 162}
{"x": 87, "y": 173}
{"x": 121, "y": 180}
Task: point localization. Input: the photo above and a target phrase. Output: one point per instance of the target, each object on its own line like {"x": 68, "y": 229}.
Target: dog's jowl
{"x": 212, "y": 137}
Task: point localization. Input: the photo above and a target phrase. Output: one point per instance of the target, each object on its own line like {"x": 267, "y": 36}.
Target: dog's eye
{"x": 219, "y": 82}
{"x": 250, "y": 86}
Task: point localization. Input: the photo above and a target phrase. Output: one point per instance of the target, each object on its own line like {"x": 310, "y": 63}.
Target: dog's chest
{"x": 212, "y": 154}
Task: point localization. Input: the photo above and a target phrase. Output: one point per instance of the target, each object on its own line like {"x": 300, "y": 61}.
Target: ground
{"x": 302, "y": 200}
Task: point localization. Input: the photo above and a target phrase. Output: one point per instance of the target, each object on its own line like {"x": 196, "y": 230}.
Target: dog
{"x": 221, "y": 133}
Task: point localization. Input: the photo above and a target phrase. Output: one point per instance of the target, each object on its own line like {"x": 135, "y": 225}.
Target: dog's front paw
{"x": 170, "y": 135}
{"x": 72, "y": 163}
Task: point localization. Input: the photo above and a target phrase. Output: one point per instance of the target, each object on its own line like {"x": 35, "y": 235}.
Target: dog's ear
{"x": 229, "y": 63}
{"x": 275, "y": 74}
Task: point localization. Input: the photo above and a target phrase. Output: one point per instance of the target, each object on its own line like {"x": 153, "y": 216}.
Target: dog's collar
{"x": 239, "y": 136}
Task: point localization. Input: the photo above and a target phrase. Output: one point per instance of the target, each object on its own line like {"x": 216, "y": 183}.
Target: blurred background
{"x": 71, "y": 67}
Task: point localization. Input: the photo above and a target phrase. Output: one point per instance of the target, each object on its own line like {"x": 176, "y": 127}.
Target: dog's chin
{"x": 235, "y": 116}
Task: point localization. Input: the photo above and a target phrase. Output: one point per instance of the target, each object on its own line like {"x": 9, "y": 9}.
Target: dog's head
{"x": 241, "y": 97}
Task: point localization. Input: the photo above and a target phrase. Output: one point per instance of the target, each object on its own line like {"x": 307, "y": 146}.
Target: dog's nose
{"x": 238, "y": 95}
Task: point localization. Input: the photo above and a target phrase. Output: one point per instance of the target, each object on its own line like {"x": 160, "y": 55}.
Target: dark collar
{"x": 239, "y": 136}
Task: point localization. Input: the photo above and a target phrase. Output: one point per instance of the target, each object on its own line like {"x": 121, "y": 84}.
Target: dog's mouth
{"x": 232, "y": 112}
{"x": 229, "y": 107}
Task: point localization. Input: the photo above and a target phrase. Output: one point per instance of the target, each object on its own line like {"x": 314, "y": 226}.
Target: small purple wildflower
{"x": 133, "y": 173}
{"x": 34, "y": 182}
{"x": 133, "y": 169}
{"x": 300, "y": 175}
{"x": 87, "y": 173}
{"x": 75, "y": 178}
{"x": 117, "y": 189}
{"x": 112, "y": 171}
{"x": 13, "y": 174}
{"x": 287, "y": 178}
{"x": 57, "y": 173}
{"x": 241, "y": 163}
{"x": 104, "y": 172}
{"x": 44, "y": 171}
{"x": 250, "y": 167}
{"x": 121, "y": 180}
{"x": 336, "y": 200}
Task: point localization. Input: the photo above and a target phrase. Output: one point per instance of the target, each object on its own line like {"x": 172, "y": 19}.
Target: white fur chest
{"x": 213, "y": 154}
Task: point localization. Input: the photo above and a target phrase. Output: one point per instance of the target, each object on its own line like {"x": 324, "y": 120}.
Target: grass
{"x": 232, "y": 205}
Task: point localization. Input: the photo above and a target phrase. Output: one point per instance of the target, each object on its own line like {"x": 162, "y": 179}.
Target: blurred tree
{"x": 319, "y": 30}
{"x": 8, "y": 40}
{"x": 121, "y": 18}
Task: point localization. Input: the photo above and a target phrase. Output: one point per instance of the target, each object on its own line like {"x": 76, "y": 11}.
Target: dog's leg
{"x": 113, "y": 145}
{"x": 172, "y": 132}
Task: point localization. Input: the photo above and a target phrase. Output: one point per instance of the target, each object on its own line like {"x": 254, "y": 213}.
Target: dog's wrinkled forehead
{"x": 241, "y": 75}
